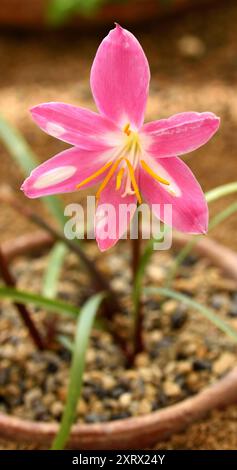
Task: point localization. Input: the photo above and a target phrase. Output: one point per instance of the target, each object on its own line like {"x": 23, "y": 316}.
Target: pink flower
{"x": 130, "y": 160}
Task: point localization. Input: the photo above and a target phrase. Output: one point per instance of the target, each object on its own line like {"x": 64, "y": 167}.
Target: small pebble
{"x": 142, "y": 360}
{"x": 218, "y": 301}
{"x": 57, "y": 409}
{"x": 224, "y": 363}
{"x": 95, "y": 418}
{"x": 171, "y": 389}
{"x": 233, "y": 310}
{"x": 125, "y": 400}
{"x": 201, "y": 364}
{"x": 144, "y": 407}
{"x": 184, "y": 367}
{"x": 193, "y": 381}
{"x": 155, "y": 273}
{"x": 82, "y": 407}
{"x": 169, "y": 306}
{"x": 178, "y": 319}
{"x": 32, "y": 397}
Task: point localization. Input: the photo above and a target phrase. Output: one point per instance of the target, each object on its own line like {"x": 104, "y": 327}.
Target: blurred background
{"x": 46, "y": 51}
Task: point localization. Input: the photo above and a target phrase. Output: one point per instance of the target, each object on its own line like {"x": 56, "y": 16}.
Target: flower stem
{"x": 138, "y": 319}
{"x": 23, "y": 312}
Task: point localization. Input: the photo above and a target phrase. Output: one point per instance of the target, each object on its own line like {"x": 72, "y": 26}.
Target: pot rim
{"x": 133, "y": 432}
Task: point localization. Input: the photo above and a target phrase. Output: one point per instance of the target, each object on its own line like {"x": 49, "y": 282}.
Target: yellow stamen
{"x": 108, "y": 177}
{"x": 119, "y": 178}
{"x": 133, "y": 180}
{"x": 153, "y": 174}
{"x": 94, "y": 175}
{"x": 126, "y": 129}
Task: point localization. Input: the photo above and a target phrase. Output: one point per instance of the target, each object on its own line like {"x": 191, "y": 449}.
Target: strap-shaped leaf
{"x": 51, "y": 305}
{"x": 84, "y": 325}
{"x": 52, "y": 273}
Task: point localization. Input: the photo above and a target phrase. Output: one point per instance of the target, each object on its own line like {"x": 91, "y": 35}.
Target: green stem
{"x": 138, "y": 314}
{"x": 221, "y": 191}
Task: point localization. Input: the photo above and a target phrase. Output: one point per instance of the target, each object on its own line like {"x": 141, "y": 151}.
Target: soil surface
{"x": 193, "y": 62}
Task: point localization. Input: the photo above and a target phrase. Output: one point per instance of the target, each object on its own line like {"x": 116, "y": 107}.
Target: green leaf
{"x": 60, "y": 10}
{"x": 221, "y": 191}
{"x": 55, "y": 263}
{"x": 27, "y": 161}
{"x": 206, "y": 312}
{"x": 56, "y": 306}
{"x": 17, "y": 147}
{"x": 83, "y": 330}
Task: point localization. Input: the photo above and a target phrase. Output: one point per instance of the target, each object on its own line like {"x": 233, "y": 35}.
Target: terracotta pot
{"x": 143, "y": 431}
{"x": 31, "y": 13}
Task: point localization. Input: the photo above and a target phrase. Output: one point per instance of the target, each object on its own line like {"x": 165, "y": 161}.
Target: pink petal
{"x": 180, "y": 133}
{"x": 189, "y": 207}
{"x": 120, "y": 78}
{"x": 77, "y": 126}
{"x": 62, "y": 173}
{"x": 113, "y": 215}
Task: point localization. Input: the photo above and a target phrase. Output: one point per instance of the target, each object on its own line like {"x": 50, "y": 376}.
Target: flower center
{"x": 124, "y": 164}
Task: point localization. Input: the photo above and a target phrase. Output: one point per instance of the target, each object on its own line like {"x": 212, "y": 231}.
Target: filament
{"x": 94, "y": 175}
{"x": 153, "y": 174}
{"x": 133, "y": 180}
{"x": 108, "y": 177}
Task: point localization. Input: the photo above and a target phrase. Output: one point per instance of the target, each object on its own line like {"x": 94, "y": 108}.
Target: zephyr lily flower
{"x": 130, "y": 160}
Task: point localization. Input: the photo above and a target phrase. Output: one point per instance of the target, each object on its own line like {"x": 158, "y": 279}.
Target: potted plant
{"x": 151, "y": 367}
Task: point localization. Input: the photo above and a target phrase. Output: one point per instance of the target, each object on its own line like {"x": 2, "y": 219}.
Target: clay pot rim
{"x": 132, "y": 432}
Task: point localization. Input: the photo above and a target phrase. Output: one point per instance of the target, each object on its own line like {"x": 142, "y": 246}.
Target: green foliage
{"x": 52, "y": 273}
{"x": 83, "y": 330}
{"x": 56, "y": 306}
{"x": 60, "y": 10}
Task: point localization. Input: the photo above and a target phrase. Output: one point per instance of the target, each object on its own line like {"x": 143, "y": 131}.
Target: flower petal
{"x": 181, "y": 133}
{"x": 77, "y": 126}
{"x": 113, "y": 215}
{"x": 62, "y": 173}
{"x": 189, "y": 207}
{"x": 120, "y": 78}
